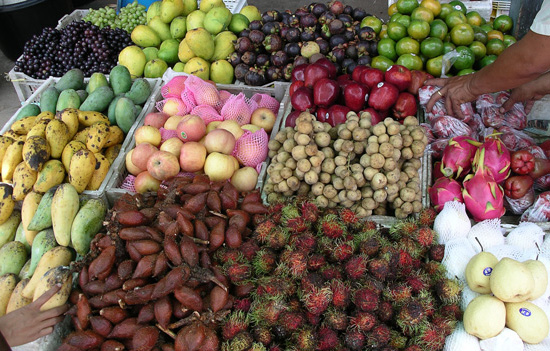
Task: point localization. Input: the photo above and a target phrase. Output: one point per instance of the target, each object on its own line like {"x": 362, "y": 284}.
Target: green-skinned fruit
{"x": 153, "y": 10}
{"x": 223, "y": 45}
{"x": 155, "y": 68}
{"x": 200, "y": 42}
{"x": 170, "y": 9}
{"x": 168, "y": 51}
{"x": 162, "y": 29}
{"x": 195, "y": 20}
{"x": 217, "y": 20}
{"x": 178, "y": 27}
{"x": 145, "y": 36}
{"x": 87, "y": 223}
{"x": 42, "y": 243}
{"x": 221, "y": 72}
{"x": 198, "y": 67}
{"x": 13, "y": 256}
{"x": 151, "y": 53}
{"x": 133, "y": 58}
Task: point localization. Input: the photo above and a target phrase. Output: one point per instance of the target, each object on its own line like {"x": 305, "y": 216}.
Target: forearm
{"x": 520, "y": 63}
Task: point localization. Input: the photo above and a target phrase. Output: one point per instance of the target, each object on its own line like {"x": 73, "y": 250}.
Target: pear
{"x": 485, "y": 317}
{"x": 528, "y": 320}
{"x": 478, "y": 271}
{"x": 540, "y": 275}
{"x": 511, "y": 281}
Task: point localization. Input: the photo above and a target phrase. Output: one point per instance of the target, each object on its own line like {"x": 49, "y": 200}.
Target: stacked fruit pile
{"x": 129, "y": 17}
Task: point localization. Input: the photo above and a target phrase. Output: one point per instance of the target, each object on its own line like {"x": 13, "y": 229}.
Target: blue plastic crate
{"x": 123, "y": 3}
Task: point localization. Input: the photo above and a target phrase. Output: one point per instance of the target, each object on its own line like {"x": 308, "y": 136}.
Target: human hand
{"x": 28, "y": 323}
{"x": 524, "y": 94}
{"x": 455, "y": 91}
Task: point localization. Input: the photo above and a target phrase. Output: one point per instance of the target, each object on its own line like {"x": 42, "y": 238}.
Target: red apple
{"x": 163, "y": 165}
{"x": 357, "y": 72}
{"x": 383, "y": 96}
{"x": 355, "y": 96}
{"x": 294, "y": 86}
{"x": 313, "y": 73}
{"x": 191, "y": 128}
{"x": 192, "y": 156}
{"x": 172, "y": 145}
{"x": 337, "y": 114}
{"x": 400, "y": 76}
{"x": 322, "y": 114}
{"x": 263, "y": 118}
{"x": 298, "y": 72}
{"x": 371, "y": 77}
{"x": 325, "y": 62}
{"x": 219, "y": 140}
{"x": 302, "y": 99}
{"x": 291, "y": 119}
{"x": 156, "y": 119}
{"x": 376, "y": 116}
{"x": 130, "y": 166}
{"x": 325, "y": 92}
{"x": 141, "y": 155}
{"x": 145, "y": 182}
{"x": 405, "y": 106}
{"x": 148, "y": 134}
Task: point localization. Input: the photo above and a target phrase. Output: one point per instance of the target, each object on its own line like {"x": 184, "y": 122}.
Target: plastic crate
{"x": 149, "y": 104}
{"x": 280, "y": 92}
{"x": 500, "y": 8}
{"x": 232, "y": 5}
{"x": 484, "y": 7}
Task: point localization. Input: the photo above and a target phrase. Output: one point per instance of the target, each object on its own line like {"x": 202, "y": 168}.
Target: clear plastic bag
{"x": 448, "y": 127}
{"x": 540, "y": 211}
{"x": 518, "y": 206}
{"x": 488, "y": 106}
{"x": 515, "y": 139}
{"x": 507, "y": 340}
{"x": 437, "y": 147}
{"x": 429, "y": 132}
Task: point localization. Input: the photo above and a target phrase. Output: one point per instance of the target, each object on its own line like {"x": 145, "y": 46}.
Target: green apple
{"x": 478, "y": 271}
{"x": 511, "y": 281}
{"x": 528, "y": 320}
{"x": 485, "y": 317}
{"x": 540, "y": 275}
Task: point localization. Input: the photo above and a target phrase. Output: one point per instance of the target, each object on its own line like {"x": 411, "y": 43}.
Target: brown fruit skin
{"x": 134, "y": 233}
{"x": 131, "y": 284}
{"x": 184, "y": 224}
{"x": 201, "y": 230}
{"x": 161, "y": 265}
{"x": 172, "y": 250}
{"x": 144, "y": 268}
{"x": 163, "y": 311}
{"x": 112, "y": 345}
{"x": 84, "y": 339}
{"x": 196, "y": 188}
{"x": 125, "y": 269}
{"x": 196, "y": 203}
{"x": 191, "y": 337}
{"x": 189, "y": 250}
{"x": 101, "y": 325}
{"x": 114, "y": 314}
{"x": 101, "y": 266}
{"x": 217, "y": 236}
{"x": 189, "y": 298}
{"x": 83, "y": 311}
{"x": 213, "y": 201}
{"x": 146, "y": 313}
{"x": 145, "y": 339}
{"x": 146, "y": 247}
{"x": 172, "y": 280}
{"x": 125, "y": 330}
{"x": 218, "y": 298}
{"x": 113, "y": 282}
{"x": 233, "y": 237}
{"x": 131, "y": 218}
{"x": 139, "y": 296}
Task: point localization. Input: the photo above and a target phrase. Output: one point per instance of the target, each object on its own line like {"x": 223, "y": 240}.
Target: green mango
{"x": 9, "y": 228}
{"x": 162, "y": 29}
{"x": 178, "y": 27}
{"x": 42, "y": 243}
{"x": 97, "y": 80}
{"x": 42, "y": 218}
{"x": 73, "y": 79}
{"x": 13, "y": 256}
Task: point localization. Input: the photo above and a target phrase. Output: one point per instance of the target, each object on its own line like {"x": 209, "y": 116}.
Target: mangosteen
{"x": 362, "y": 48}
{"x": 293, "y": 35}
{"x": 300, "y": 60}
{"x": 271, "y": 28}
{"x": 255, "y": 25}
{"x": 326, "y": 16}
{"x": 292, "y": 21}
{"x": 337, "y": 55}
{"x": 234, "y": 59}
{"x": 308, "y": 20}
{"x": 358, "y": 14}
{"x": 364, "y": 60}
{"x": 256, "y": 36}
{"x": 243, "y": 45}
{"x": 324, "y": 47}
{"x": 336, "y": 7}
{"x": 287, "y": 72}
{"x": 255, "y": 77}
{"x": 285, "y": 16}
{"x": 244, "y": 33}
{"x": 336, "y": 40}
{"x": 249, "y": 58}
{"x": 351, "y": 51}
{"x": 373, "y": 48}
{"x": 273, "y": 73}
{"x": 345, "y": 63}
{"x": 301, "y": 11}
{"x": 366, "y": 33}
{"x": 271, "y": 16}
{"x": 284, "y": 29}
{"x": 349, "y": 34}
{"x": 308, "y": 34}
{"x": 335, "y": 27}
{"x": 292, "y": 49}
{"x": 319, "y": 9}
{"x": 279, "y": 58}
{"x": 273, "y": 43}
{"x": 346, "y": 19}
{"x": 241, "y": 70}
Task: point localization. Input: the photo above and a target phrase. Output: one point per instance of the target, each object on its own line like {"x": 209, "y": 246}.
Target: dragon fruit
{"x": 458, "y": 155}
{"x": 443, "y": 190}
{"x": 483, "y": 197}
{"x": 497, "y": 158}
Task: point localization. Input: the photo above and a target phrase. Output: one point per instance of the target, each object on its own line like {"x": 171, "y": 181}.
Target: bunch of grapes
{"x": 78, "y": 45}
{"x": 129, "y": 17}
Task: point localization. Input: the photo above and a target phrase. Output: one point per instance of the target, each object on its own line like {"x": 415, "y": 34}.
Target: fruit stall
{"x": 200, "y": 175}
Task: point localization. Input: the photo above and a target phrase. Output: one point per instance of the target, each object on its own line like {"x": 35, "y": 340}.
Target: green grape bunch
{"x": 128, "y": 18}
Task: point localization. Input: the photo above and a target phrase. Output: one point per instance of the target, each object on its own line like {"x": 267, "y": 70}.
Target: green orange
{"x": 446, "y": 9}
{"x": 459, "y": 6}
{"x": 474, "y": 18}
{"x": 478, "y": 49}
{"x": 465, "y": 58}
{"x": 454, "y": 18}
{"x": 418, "y": 29}
{"x": 503, "y": 23}
{"x": 396, "y": 31}
{"x": 373, "y": 22}
{"x": 487, "y": 27}
{"x": 381, "y": 62}
{"x": 407, "y": 46}
{"x": 438, "y": 29}
{"x": 480, "y": 35}
{"x": 509, "y": 40}
{"x": 433, "y": 5}
{"x": 410, "y": 61}
{"x": 448, "y": 47}
{"x": 434, "y": 66}
{"x": 466, "y": 71}
{"x": 406, "y": 7}
{"x": 487, "y": 60}
{"x": 386, "y": 48}
{"x": 431, "y": 47}
{"x": 422, "y": 13}
{"x": 462, "y": 34}
{"x": 495, "y": 47}
{"x": 495, "y": 34}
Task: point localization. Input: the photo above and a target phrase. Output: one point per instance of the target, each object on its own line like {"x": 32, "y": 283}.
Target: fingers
{"x": 433, "y": 99}
{"x": 46, "y": 296}
{"x": 44, "y": 332}
{"x": 507, "y": 105}
{"x": 51, "y": 322}
{"x": 529, "y": 106}
{"x": 54, "y": 312}
{"x": 437, "y": 81}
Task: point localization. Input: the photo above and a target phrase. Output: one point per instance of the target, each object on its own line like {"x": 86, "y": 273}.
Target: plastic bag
{"x": 518, "y": 206}
{"x": 166, "y": 134}
{"x": 128, "y": 183}
{"x": 448, "y": 127}
{"x": 540, "y": 211}
{"x": 485, "y": 234}
{"x": 458, "y": 253}
{"x": 429, "y": 132}
{"x": 507, "y": 340}
{"x": 515, "y": 139}
{"x": 488, "y": 106}
{"x": 437, "y": 147}
{"x": 476, "y": 123}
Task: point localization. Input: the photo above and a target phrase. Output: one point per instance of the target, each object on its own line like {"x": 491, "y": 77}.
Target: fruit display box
{"x": 148, "y": 105}
{"x": 484, "y": 7}
{"x": 279, "y": 91}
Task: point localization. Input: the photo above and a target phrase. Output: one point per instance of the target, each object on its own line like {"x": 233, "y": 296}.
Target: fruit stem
{"x": 167, "y": 331}
{"x": 538, "y": 253}
{"x": 218, "y": 214}
{"x": 477, "y": 239}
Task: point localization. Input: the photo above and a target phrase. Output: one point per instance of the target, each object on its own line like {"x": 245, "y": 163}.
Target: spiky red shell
{"x": 366, "y": 299}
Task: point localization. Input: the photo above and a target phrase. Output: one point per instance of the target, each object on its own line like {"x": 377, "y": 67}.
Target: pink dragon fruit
{"x": 443, "y": 190}
{"x": 458, "y": 155}
{"x": 497, "y": 158}
{"x": 483, "y": 197}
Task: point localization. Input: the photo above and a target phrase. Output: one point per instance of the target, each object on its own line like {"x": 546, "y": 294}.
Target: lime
{"x": 487, "y": 60}
{"x": 373, "y": 22}
{"x": 433, "y": 5}
{"x": 486, "y": 27}
{"x": 381, "y": 62}
{"x": 418, "y": 29}
{"x": 434, "y": 66}
{"x": 422, "y": 13}
{"x": 238, "y": 23}
{"x": 478, "y": 49}
{"x": 438, "y": 29}
{"x": 462, "y": 34}
{"x": 465, "y": 71}
{"x": 509, "y": 40}
{"x": 503, "y": 23}
{"x": 495, "y": 34}
{"x": 396, "y": 31}
{"x": 465, "y": 59}
{"x": 474, "y": 18}
{"x": 394, "y": 17}
{"x": 459, "y": 6}
{"x": 407, "y": 46}
{"x": 480, "y": 35}
{"x": 431, "y": 47}
{"x": 406, "y": 7}
{"x": 404, "y": 20}
{"x": 386, "y": 48}
{"x": 410, "y": 61}
{"x": 448, "y": 47}
{"x": 495, "y": 47}
{"x": 446, "y": 9}
{"x": 392, "y": 9}
{"x": 454, "y": 18}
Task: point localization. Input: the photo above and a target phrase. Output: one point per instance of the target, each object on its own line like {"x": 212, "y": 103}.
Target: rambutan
{"x": 403, "y": 229}
{"x": 413, "y": 347}
{"x": 411, "y": 317}
{"x": 304, "y": 242}
{"x": 242, "y": 341}
{"x": 379, "y": 269}
{"x": 385, "y": 311}
{"x": 242, "y": 304}
{"x": 366, "y": 299}
{"x": 329, "y": 226}
{"x": 262, "y": 335}
{"x": 315, "y": 262}
{"x": 452, "y": 311}
{"x": 379, "y": 336}
{"x": 397, "y": 340}
{"x": 369, "y": 247}
{"x": 317, "y": 300}
{"x": 427, "y": 216}
{"x": 362, "y": 321}
{"x": 437, "y": 252}
{"x": 305, "y": 339}
{"x": 265, "y": 261}
{"x": 354, "y": 340}
{"x": 313, "y": 319}
{"x": 275, "y": 348}
{"x": 342, "y": 251}
{"x": 448, "y": 290}
{"x": 424, "y": 236}
{"x": 289, "y": 211}
{"x": 297, "y": 225}
{"x": 238, "y": 272}
{"x": 417, "y": 281}
{"x": 267, "y": 312}
{"x": 277, "y": 238}
{"x": 369, "y": 225}
{"x": 331, "y": 272}
{"x": 335, "y": 319}
{"x": 398, "y": 293}
{"x": 269, "y": 286}
{"x": 444, "y": 324}
{"x": 427, "y": 301}
{"x": 435, "y": 270}
{"x": 310, "y": 212}
{"x": 263, "y": 229}
{"x": 341, "y": 293}
{"x": 280, "y": 332}
{"x": 348, "y": 217}
{"x": 257, "y": 347}
{"x": 430, "y": 339}
{"x": 249, "y": 248}
{"x": 291, "y": 321}
{"x": 311, "y": 280}
{"x": 226, "y": 255}
{"x": 296, "y": 261}
{"x": 410, "y": 246}
{"x": 356, "y": 267}
{"x": 235, "y": 323}
{"x": 327, "y": 339}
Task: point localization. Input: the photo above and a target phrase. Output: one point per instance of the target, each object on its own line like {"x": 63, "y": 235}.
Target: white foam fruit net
{"x": 176, "y": 106}
{"x": 458, "y": 253}
{"x": 488, "y": 232}
{"x": 544, "y": 345}
{"x": 545, "y": 247}
{"x": 174, "y": 87}
{"x": 526, "y": 235}
{"x": 251, "y": 148}
{"x": 510, "y": 251}
{"x": 202, "y": 92}
{"x": 452, "y": 222}
{"x": 267, "y": 101}
{"x": 238, "y": 108}
{"x": 207, "y": 113}
{"x": 506, "y": 340}
{"x": 467, "y": 296}
{"x": 460, "y": 340}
